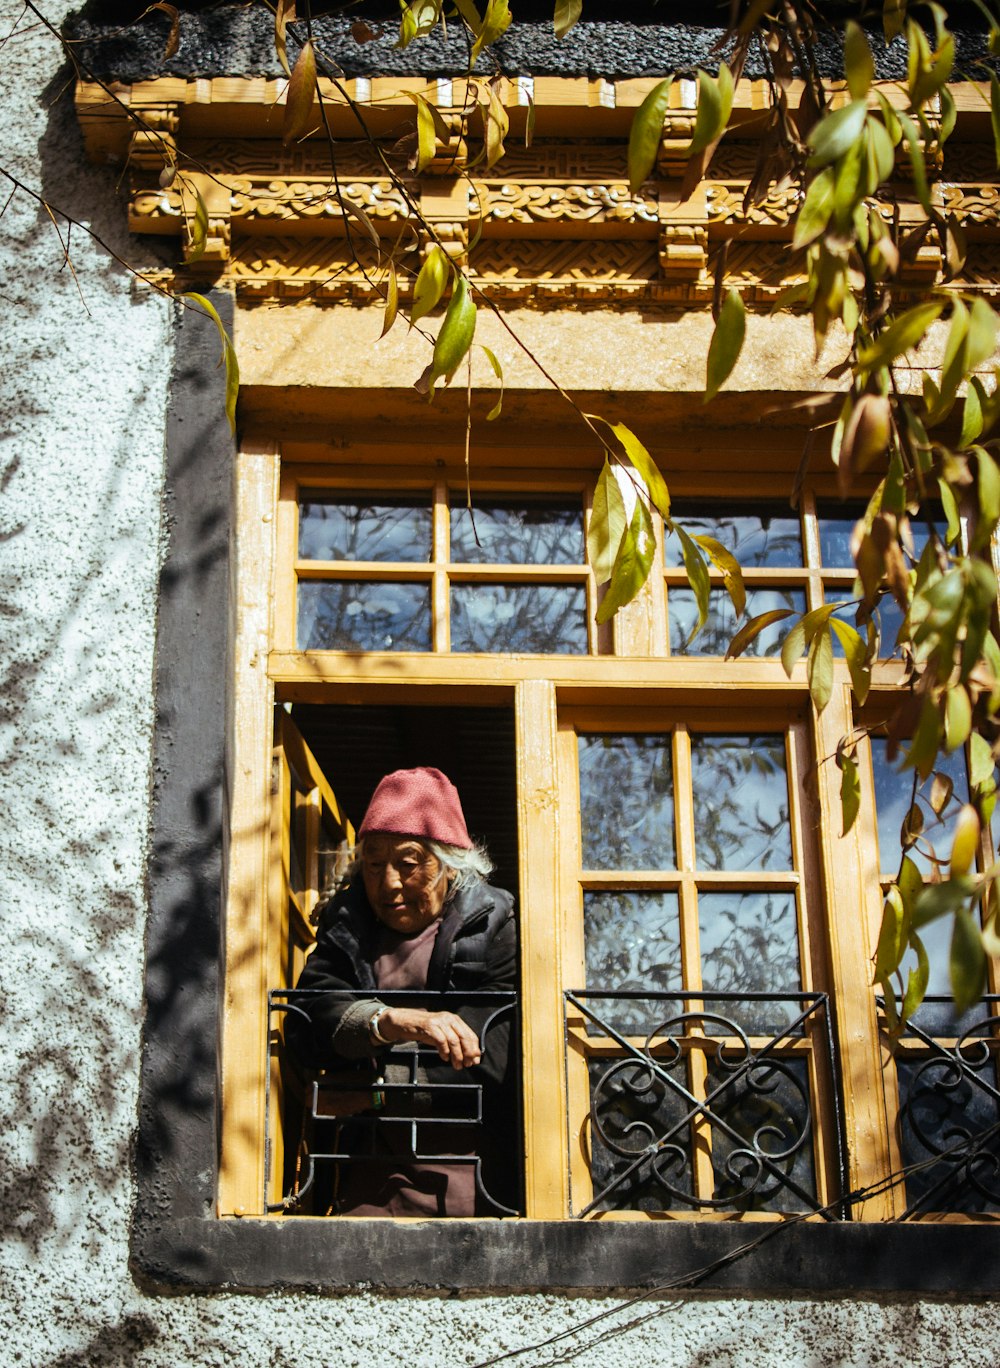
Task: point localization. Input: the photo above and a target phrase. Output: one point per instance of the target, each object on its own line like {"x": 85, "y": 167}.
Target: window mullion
{"x": 542, "y": 935}
{"x": 866, "y": 1128}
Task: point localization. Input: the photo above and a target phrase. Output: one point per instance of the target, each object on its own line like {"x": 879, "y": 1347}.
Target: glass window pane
{"x": 749, "y": 943}
{"x": 633, "y": 942}
{"x": 893, "y": 797}
{"x": 759, "y": 536}
{"x": 626, "y": 802}
{"x": 740, "y": 794}
{"x": 836, "y": 526}
{"x": 720, "y": 625}
{"x": 518, "y": 531}
{"x": 376, "y": 529}
{"x": 768, "y": 1107}
{"x": 542, "y": 619}
{"x": 363, "y": 615}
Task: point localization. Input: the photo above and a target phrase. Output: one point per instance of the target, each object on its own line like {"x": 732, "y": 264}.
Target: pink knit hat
{"x": 418, "y": 802}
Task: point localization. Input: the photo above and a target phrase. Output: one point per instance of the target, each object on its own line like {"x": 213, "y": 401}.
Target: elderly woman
{"x": 420, "y": 916}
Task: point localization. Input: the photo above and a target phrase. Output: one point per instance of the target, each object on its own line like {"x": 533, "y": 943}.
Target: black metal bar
{"x": 813, "y": 1006}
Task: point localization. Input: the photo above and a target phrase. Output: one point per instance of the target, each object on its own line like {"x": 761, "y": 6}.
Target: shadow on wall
{"x": 80, "y": 481}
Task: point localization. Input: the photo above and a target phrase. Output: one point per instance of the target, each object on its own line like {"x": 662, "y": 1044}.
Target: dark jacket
{"x": 475, "y": 950}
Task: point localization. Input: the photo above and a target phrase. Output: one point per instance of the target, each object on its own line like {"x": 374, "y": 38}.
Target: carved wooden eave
{"x": 553, "y": 222}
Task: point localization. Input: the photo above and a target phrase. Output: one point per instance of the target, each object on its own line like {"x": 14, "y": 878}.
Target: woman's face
{"x": 406, "y": 885}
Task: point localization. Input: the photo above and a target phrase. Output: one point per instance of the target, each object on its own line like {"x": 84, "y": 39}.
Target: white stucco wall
{"x": 80, "y": 475}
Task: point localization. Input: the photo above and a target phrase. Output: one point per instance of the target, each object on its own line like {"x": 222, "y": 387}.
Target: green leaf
{"x": 980, "y": 763}
{"x": 916, "y": 985}
{"x": 836, "y": 133}
{"x": 850, "y": 793}
{"x": 937, "y": 900}
{"x": 957, "y": 717}
{"x": 697, "y": 574}
{"x": 732, "y": 573}
{"x": 923, "y": 748}
{"x": 982, "y": 333}
{"x": 856, "y": 655}
{"x": 228, "y": 357}
{"x": 910, "y": 884}
{"x": 893, "y": 18}
{"x": 883, "y": 153}
{"x": 644, "y": 135}
{"x": 967, "y": 961}
{"x": 431, "y": 281}
{"x": 417, "y": 20}
{"x": 642, "y": 461}
{"x": 820, "y": 669}
{"x": 454, "y": 339}
{"x": 751, "y": 630}
{"x": 950, "y": 506}
{"x": 793, "y": 646}
{"x": 902, "y": 335}
{"x": 198, "y": 227}
{"x": 567, "y": 13}
{"x": 858, "y": 64}
{"x": 301, "y": 94}
{"x": 608, "y": 522}
{"x": 817, "y": 207}
{"x": 726, "y": 345}
{"x": 715, "y": 103}
{"x": 632, "y": 564}
{"x": 988, "y": 489}
{"x": 917, "y": 163}
{"x": 965, "y": 841}
{"x": 391, "y": 300}
{"x": 891, "y": 940}
{"x": 498, "y": 372}
{"x": 496, "y": 22}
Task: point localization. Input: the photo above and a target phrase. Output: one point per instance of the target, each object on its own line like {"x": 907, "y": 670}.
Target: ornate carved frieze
{"x": 554, "y": 220}
{"x": 724, "y": 201}
{"x": 515, "y": 202}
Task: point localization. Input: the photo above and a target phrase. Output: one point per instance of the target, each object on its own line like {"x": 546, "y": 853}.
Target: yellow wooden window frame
{"x": 628, "y": 670}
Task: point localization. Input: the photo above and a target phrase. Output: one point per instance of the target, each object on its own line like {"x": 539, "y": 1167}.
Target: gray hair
{"x": 467, "y": 867}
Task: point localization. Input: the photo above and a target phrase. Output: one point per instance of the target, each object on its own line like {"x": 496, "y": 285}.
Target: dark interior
{"x": 356, "y": 745}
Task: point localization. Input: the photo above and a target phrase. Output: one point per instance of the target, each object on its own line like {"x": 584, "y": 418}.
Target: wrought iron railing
{"x": 748, "y": 1109}
{"x": 949, "y": 1108}
{"x": 391, "y": 1113}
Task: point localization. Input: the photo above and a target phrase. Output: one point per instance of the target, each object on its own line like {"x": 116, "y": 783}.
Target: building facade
{"x": 665, "y": 816}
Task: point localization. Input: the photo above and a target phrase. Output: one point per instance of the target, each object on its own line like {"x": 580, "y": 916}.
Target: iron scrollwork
{"x": 949, "y": 1115}
{"x": 755, "y": 1107}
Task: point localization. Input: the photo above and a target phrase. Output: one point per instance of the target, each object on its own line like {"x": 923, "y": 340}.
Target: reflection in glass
{"x": 740, "y": 793}
{"x": 380, "y": 529}
{"x": 369, "y": 615}
{"x": 720, "y": 625}
{"x": 768, "y": 1108}
{"x": 893, "y": 797}
{"x": 630, "y": 1109}
{"x": 518, "y": 532}
{"x": 626, "y": 802}
{"x": 762, "y": 537}
{"x": 632, "y": 943}
{"x": 749, "y": 943}
{"x": 837, "y": 527}
{"x": 542, "y": 619}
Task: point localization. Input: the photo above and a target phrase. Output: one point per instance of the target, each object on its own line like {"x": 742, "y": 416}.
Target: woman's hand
{"x": 456, "y": 1042}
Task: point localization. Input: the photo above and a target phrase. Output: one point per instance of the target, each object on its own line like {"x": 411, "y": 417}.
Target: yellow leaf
{"x": 391, "y": 300}
{"x": 228, "y": 356}
{"x": 283, "y": 11}
{"x": 300, "y": 97}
